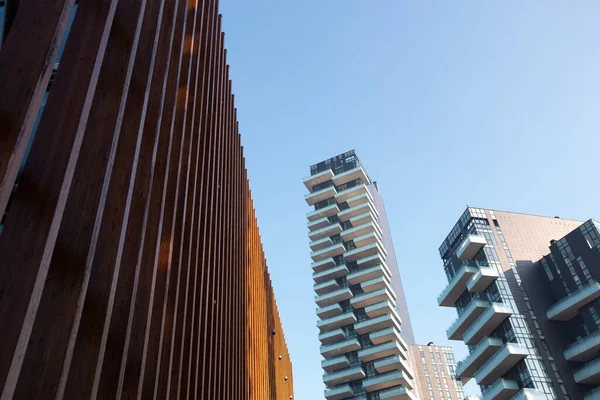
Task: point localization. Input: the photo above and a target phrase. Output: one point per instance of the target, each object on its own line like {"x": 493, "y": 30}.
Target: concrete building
{"x": 564, "y": 290}
{"x": 364, "y": 325}
{"x": 490, "y": 258}
{"x": 435, "y": 370}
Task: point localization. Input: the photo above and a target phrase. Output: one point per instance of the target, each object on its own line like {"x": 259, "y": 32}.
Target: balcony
{"x": 329, "y": 311}
{"x": 385, "y": 307}
{"x": 386, "y": 381}
{"x": 320, "y": 195}
{"x": 588, "y": 374}
{"x": 332, "y": 273}
{"x": 349, "y": 193}
{"x": 370, "y": 261}
{"x": 359, "y": 230}
{"x": 335, "y": 363}
{"x": 593, "y": 394}
{"x": 321, "y": 244}
{"x": 351, "y": 175}
{"x": 323, "y": 264}
{"x": 336, "y": 322}
{"x": 529, "y": 394}
{"x": 363, "y": 219}
{"x": 367, "y": 239}
{"x": 489, "y": 320}
{"x": 377, "y": 324}
{"x": 357, "y": 210}
{"x": 396, "y": 393}
{"x": 380, "y": 351}
{"x": 368, "y": 274}
{"x": 326, "y": 287}
{"x": 393, "y": 363}
{"x": 343, "y": 376}
{"x": 315, "y": 179}
{"x": 470, "y": 246}
{"x": 339, "y": 393}
{"x": 369, "y": 299}
{"x": 479, "y": 355}
{"x": 568, "y": 307}
{"x": 387, "y": 335}
{"x": 502, "y": 389}
{"x": 482, "y": 279}
{"x": 365, "y": 251}
{"x": 328, "y": 211}
{"x": 328, "y": 252}
{"x": 500, "y": 363}
{"x": 360, "y": 199}
{"x": 340, "y": 348}
{"x": 331, "y": 337}
{"x": 326, "y": 231}
{"x": 584, "y": 349}
{"x": 469, "y": 315}
{"x": 456, "y": 286}
{"x": 376, "y": 284}
{"x": 333, "y": 297}
{"x": 318, "y": 224}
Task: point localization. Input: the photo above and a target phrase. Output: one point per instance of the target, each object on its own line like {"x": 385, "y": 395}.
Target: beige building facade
{"x": 435, "y": 372}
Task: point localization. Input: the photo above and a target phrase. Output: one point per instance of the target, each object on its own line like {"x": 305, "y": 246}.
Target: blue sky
{"x": 493, "y": 104}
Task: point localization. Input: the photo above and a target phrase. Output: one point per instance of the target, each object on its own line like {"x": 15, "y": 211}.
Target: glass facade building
{"x": 364, "y": 324}
{"x": 490, "y": 258}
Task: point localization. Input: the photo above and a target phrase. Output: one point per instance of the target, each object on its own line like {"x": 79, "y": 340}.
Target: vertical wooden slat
{"x": 137, "y": 254}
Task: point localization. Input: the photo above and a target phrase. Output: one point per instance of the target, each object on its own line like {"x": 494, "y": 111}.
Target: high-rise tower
{"x": 364, "y": 324}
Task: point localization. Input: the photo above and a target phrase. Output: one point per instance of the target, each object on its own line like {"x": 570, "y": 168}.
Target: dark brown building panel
{"x": 131, "y": 264}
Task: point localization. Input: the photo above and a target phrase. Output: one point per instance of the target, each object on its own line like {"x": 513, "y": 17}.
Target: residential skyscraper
{"x": 489, "y": 257}
{"x": 364, "y": 323}
{"x": 435, "y": 370}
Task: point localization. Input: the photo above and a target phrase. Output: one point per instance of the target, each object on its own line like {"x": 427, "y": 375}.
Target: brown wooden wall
{"x": 130, "y": 260}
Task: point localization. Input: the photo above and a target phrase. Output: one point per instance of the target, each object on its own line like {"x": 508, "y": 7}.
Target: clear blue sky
{"x": 493, "y": 104}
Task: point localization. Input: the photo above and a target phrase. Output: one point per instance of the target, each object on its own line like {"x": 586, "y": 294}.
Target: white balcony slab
{"x": 323, "y": 264}
{"x": 377, "y": 324}
{"x": 359, "y": 209}
{"x": 464, "y": 321}
{"x": 334, "y": 336}
{"x": 385, "y": 307}
{"x": 457, "y": 286}
{"x": 382, "y": 282}
{"x": 479, "y": 355}
{"x": 367, "y": 274}
{"x": 326, "y": 287}
{"x": 337, "y": 349}
{"x": 352, "y": 175}
{"x": 335, "y": 363}
{"x": 568, "y": 307}
{"x": 363, "y": 219}
{"x": 397, "y": 393}
{"x": 370, "y": 261}
{"x": 333, "y": 297}
{"x": 364, "y": 251}
{"x": 371, "y": 298}
{"x": 584, "y": 349}
{"x": 327, "y": 211}
{"x": 320, "y": 195}
{"x": 331, "y": 251}
{"x": 593, "y": 394}
{"x": 326, "y": 231}
{"x": 385, "y": 381}
{"x": 500, "y": 363}
{"x": 360, "y": 198}
{"x": 339, "y": 393}
{"x": 331, "y": 379}
{"x": 392, "y": 363}
{"x": 359, "y": 230}
{"x": 380, "y": 351}
{"x": 354, "y": 191}
{"x": 386, "y": 335}
{"x": 502, "y": 389}
{"x": 318, "y": 224}
{"x": 487, "y": 322}
{"x": 329, "y": 311}
{"x": 470, "y": 246}
{"x": 482, "y": 279}
{"x": 336, "y": 322}
{"x": 331, "y": 273}
{"x": 589, "y": 373}
{"x": 315, "y": 179}
{"x": 368, "y": 238}
{"x": 320, "y": 244}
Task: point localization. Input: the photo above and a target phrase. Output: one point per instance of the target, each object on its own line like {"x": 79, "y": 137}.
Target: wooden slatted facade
{"x": 130, "y": 258}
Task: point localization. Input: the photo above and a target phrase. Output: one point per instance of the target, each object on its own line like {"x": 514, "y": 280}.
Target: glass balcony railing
{"x": 568, "y": 307}
{"x": 583, "y": 349}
